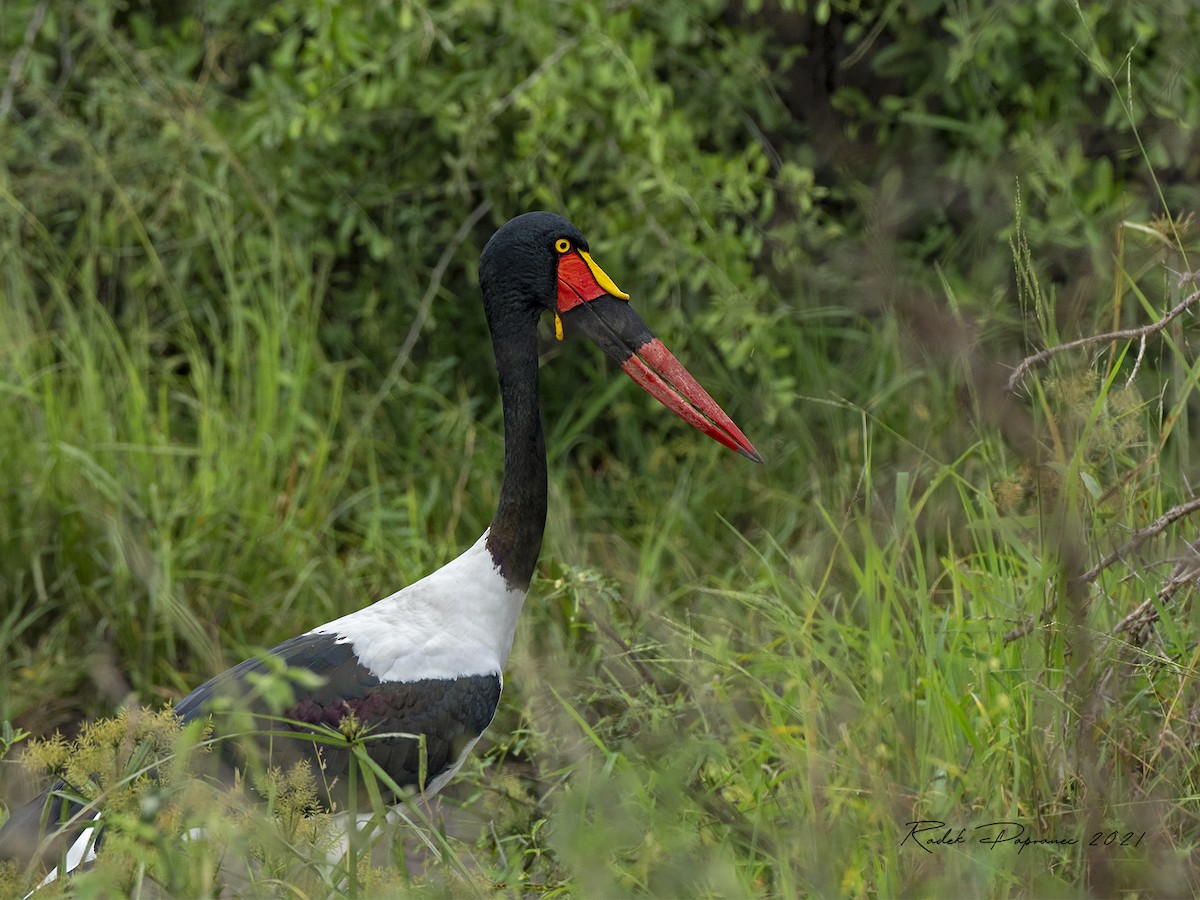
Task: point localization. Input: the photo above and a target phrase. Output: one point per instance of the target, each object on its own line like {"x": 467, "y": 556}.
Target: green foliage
{"x": 165, "y": 823}
{"x": 246, "y": 388}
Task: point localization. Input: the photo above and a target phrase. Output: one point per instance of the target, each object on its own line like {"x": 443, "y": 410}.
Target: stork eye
{"x": 562, "y": 245}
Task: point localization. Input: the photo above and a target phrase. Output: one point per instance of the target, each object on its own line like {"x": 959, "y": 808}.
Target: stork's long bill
{"x": 589, "y": 301}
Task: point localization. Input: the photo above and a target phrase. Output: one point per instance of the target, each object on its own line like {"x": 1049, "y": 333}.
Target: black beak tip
{"x": 751, "y": 454}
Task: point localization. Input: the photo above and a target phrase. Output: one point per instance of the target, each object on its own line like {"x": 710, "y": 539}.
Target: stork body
{"x": 429, "y": 659}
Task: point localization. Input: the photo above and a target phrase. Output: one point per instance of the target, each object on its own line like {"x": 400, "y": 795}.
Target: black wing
{"x": 27, "y": 827}
{"x": 451, "y": 713}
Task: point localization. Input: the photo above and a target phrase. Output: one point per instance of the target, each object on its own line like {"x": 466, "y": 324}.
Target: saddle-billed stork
{"x": 429, "y": 659}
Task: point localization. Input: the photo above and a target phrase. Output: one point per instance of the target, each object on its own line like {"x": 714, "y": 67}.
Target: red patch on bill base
{"x": 576, "y": 283}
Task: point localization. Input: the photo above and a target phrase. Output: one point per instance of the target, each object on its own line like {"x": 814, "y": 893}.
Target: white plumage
{"x": 459, "y": 620}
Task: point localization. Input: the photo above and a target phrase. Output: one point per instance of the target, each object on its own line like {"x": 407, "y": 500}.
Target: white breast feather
{"x": 459, "y": 620}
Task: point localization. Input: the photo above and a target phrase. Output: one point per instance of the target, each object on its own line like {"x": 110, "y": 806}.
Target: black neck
{"x": 515, "y": 537}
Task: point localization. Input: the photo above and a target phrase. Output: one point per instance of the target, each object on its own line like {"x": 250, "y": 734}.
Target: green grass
{"x": 729, "y": 679}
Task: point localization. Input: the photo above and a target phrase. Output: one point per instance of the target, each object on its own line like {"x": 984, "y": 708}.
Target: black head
{"x": 539, "y": 262}
{"x": 518, "y": 269}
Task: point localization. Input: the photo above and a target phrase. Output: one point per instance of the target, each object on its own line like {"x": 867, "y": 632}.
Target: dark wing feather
{"x": 450, "y": 712}
{"x": 25, "y": 829}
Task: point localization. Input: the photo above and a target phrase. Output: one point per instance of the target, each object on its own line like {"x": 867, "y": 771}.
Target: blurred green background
{"x": 245, "y": 387}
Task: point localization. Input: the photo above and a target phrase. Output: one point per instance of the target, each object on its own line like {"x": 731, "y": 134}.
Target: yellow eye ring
{"x": 562, "y": 245}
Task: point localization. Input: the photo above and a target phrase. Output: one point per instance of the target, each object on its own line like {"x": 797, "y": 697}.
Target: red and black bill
{"x": 590, "y": 302}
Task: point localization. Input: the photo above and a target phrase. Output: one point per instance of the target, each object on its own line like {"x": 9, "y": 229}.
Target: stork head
{"x": 539, "y": 262}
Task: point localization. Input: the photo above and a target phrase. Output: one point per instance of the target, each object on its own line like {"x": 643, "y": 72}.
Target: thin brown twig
{"x": 1155, "y": 528}
{"x": 1134, "y": 618}
{"x": 543, "y": 67}
{"x": 1137, "y": 363}
{"x": 1023, "y": 629}
{"x": 435, "y": 283}
{"x": 1124, "y": 334}
{"x": 423, "y": 308}
{"x": 1185, "y": 572}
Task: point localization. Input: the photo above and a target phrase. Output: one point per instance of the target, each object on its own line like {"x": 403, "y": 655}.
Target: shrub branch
{"x": 1124, "y": 334}
{"x": 1155, "y": 528}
